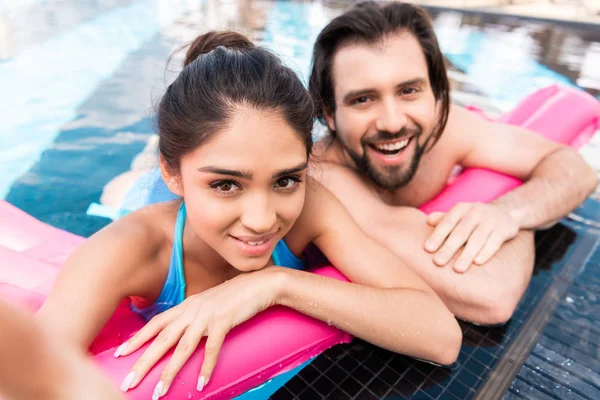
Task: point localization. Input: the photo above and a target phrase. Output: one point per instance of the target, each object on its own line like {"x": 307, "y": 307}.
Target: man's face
{"x": 385, "y": 108}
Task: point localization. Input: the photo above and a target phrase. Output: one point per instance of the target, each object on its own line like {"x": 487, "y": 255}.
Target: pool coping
{"x": 498, "y": 13}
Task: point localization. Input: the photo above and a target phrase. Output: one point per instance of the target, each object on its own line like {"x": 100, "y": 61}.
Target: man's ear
{"x": 172, "y": 180}
{"x": 328, "y": 113}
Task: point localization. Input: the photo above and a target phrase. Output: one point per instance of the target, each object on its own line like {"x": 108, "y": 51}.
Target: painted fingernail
{"x": 200, "y": 385}
{"x": 158, "y": 390}
{"x": 120, "y": 350}
{"x": 127, "y": 381}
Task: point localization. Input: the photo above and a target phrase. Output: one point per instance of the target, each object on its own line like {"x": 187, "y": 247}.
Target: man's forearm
{"x": 485, "y": 294}
{"x": 558, "y": 184}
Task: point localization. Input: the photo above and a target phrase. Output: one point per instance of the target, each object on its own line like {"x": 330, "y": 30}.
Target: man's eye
{"x": 409, "y": 90}
{"x": 360, "y": 100}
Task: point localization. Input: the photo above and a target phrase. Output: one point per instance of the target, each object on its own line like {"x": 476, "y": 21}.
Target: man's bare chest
{"x": 431, "y": 177}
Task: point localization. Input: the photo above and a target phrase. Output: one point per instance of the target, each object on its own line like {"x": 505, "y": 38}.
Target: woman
{"x": 60, "y": 373}
{"x": 234, "y": 140}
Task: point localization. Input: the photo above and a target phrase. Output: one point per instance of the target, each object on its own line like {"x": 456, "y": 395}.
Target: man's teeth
{"x": 392, "y": 146}
{"x": 255, "y": 243}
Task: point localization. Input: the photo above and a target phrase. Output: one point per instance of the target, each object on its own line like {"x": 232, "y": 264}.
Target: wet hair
{"x": 370, "y": 22}
{"x": 223, "y": 72}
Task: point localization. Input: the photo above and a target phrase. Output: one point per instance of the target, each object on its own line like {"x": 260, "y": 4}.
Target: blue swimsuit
{"x": 173, "y": 292}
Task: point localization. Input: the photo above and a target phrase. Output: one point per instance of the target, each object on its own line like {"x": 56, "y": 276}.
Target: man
{"x": 381, "y": 88}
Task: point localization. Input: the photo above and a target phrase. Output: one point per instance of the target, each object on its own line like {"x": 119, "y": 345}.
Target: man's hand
{"x": 480, "y": 228}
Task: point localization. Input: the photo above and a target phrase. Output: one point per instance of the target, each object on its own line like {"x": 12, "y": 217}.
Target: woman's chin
{"x": 247, "y": 264}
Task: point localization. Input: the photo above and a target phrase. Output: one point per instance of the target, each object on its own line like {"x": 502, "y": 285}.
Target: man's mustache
{"x": 381, "y": 136}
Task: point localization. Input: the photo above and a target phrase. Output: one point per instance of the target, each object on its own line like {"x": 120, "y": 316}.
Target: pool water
{"x": 79, "y": 80}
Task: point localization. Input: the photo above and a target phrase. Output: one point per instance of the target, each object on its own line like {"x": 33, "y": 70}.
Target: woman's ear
{"x": 172, "y": 180}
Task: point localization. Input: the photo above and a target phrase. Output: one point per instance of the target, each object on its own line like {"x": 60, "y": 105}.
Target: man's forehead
{"x": 397, "y": 57}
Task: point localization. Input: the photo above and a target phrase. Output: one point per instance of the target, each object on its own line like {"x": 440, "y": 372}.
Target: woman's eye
{"x": 287, "y": 182}
{"x": 225, "y": 186}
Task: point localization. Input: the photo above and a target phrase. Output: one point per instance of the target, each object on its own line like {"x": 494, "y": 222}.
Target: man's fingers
{"x": 214, "y": 342}
{"x": 434, "y": 218}
{"x": 491, "y": 247}
{"x": 455, "y": 241}
{"x": 446, "y": 225}
{"x": 474, "y": 245}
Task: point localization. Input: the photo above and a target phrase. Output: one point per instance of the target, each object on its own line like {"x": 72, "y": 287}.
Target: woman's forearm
{"x": 35, "y": 366}
{"x": 407, "y": 321}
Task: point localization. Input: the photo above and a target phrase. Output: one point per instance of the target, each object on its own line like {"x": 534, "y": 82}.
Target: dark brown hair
{"x": 223, "y": 71}
{"x": 371, "y": 22}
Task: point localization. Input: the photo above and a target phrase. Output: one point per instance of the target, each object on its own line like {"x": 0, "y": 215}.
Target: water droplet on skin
{"x": 190, "y": 395}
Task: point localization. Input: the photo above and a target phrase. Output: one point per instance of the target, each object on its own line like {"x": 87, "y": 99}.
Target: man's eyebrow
{"x": 415, "y": 81}
{"x": 288, "y": 171}
{"x": 224, "y": 171}
{"x": 363, "y": 92}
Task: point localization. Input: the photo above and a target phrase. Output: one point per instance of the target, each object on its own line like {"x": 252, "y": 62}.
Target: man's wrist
{"x": 516, "y": 214}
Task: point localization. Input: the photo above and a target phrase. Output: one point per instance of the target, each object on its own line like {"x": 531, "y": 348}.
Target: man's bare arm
{"x": 559, "y": 183}
{"x": 556, "y": 178}
{"x": 486, "y": 294}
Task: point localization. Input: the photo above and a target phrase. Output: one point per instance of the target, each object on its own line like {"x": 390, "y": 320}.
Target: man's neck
{"x": 334, "y": 152}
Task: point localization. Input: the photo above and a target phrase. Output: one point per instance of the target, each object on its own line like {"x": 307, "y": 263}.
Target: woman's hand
{"x": 212, "y": 313}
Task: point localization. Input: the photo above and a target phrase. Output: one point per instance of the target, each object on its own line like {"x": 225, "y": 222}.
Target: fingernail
{"x": 120, "y": 350}
{"x": 200, "y": 385}
{"x": 127, "y": 381}
{"x": 429, "y": 245}
{"x": 158, "y": 390}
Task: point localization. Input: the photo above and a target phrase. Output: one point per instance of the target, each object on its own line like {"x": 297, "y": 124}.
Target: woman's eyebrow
{"x": 224, "y": 171}
{"x": 288, "y": 171}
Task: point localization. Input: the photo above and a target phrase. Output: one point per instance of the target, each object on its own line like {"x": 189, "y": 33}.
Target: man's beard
{"x": 394, "y": 177}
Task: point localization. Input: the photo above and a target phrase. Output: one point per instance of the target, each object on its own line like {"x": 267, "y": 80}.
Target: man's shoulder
{"x": 460, "y": 132}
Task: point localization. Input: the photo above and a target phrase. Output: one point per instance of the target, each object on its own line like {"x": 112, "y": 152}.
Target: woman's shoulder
{"x": 151, "y": 225}
{"x": 318, "y": 205}
{"x": 137, "y": 247}
{"x": 137, "y": 239}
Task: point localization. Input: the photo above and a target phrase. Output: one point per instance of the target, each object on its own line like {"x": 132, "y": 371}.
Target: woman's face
{"x": 244, "y": 188}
